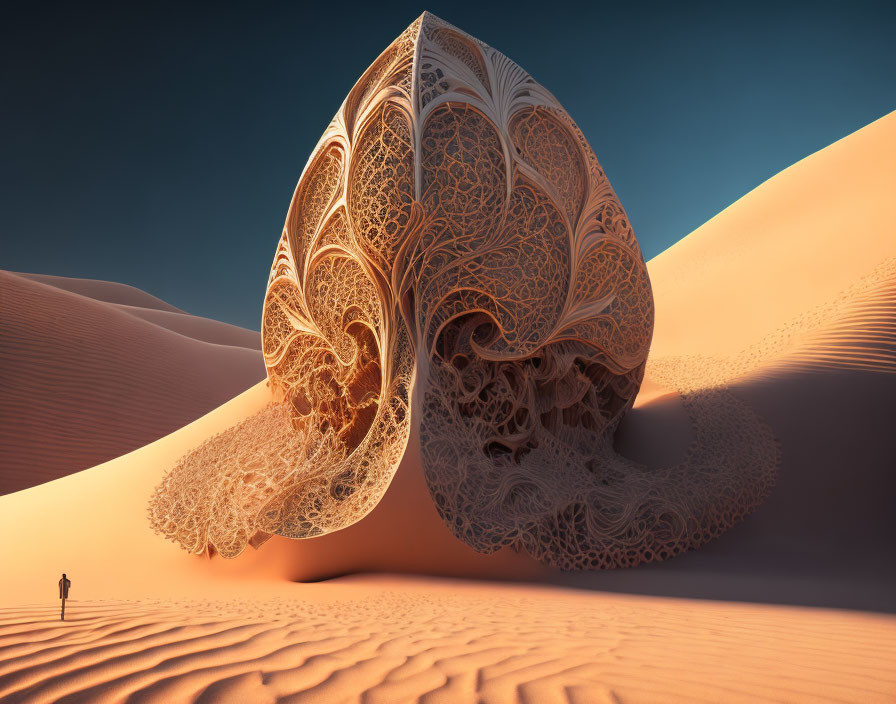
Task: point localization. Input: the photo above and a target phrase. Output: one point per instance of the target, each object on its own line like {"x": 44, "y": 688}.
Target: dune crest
{"x": 82, "y": 380}
{"x": 104, "y": 291}
{"x": 797, "y": 241}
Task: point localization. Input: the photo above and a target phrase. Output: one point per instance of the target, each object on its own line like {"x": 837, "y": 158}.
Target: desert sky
{"x": 159, "y": 147}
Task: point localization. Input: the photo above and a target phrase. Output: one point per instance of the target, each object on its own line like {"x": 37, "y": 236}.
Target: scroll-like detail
{"x": 453, "y": 230}
{"x": 313, "y": 196}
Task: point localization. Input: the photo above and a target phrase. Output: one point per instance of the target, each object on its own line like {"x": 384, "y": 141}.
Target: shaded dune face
{"x": 84, "y": 380}
{"x": 454, "y": 263}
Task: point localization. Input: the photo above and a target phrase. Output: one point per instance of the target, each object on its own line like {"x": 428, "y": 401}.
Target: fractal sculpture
{"x": 455, "y": 270}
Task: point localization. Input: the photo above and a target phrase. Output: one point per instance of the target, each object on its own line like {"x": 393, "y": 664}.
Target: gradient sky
{"x": 159, "y": 145}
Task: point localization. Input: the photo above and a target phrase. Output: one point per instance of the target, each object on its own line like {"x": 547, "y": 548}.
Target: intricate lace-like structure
{"x": 454, "y": 263}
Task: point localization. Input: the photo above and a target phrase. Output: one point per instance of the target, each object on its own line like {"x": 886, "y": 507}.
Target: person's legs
{"x": 63, "y": 608}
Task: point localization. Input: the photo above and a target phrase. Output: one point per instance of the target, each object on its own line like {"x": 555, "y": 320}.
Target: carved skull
{"x": 454, "y": 263}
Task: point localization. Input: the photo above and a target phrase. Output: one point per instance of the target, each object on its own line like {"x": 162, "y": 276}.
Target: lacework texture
{"x": 454, "y": 263}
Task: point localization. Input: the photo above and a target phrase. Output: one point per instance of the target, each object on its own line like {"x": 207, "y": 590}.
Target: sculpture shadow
{"x": 825, "y": 535}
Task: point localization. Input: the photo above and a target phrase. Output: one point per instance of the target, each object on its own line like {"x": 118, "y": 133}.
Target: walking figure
{"x": 64, "y": 585}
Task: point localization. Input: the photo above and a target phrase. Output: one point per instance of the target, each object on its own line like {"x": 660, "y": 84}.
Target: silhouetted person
{"x": 64, "y": 585}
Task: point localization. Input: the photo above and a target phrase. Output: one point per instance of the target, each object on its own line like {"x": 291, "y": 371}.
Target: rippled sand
{"x": 389, "y": 640}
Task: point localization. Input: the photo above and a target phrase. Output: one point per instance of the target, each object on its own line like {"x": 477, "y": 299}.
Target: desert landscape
{"x": 739, "y": 620}
{"x": 480, "y": 451}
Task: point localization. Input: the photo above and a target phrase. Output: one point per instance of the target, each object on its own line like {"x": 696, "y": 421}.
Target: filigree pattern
{"x": 454, "y": 239}
{"x": 545, "y": 144}
{"x": 313, "y": 196}
{"x": 380, "y": 194}
{"x": 461, "y": 48}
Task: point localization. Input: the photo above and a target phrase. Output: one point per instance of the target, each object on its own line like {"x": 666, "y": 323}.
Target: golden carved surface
{"x": 455, "y": 264}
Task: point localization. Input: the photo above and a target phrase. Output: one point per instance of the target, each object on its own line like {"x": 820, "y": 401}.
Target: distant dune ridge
{"x": 90, "y": 370}
{"x": 106, "y": 291}
{"x": 781, "y": 308}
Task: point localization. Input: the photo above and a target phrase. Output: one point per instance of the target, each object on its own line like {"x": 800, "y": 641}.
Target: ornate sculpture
{"x": 454, "y": 262}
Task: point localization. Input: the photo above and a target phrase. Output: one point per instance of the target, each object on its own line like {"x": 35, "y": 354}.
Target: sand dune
{"x": 197, "y": 328}
{"x": 154, "y": 310}
{"x": 402, "y": 534}
{"x": 798, "y": 279}
{"x": 106, "y": 291}
{"x": 83, "y": 380}
{"x": 390, "y": 641}
{"x": 797, "y": 241}
{"x": 769, "y": 308}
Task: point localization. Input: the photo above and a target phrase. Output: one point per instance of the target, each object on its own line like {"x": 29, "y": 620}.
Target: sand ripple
{"x": 477, "y": 644}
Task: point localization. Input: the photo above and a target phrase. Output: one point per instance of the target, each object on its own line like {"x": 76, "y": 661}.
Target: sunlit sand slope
{"x": 94, "y": 526}
{"x": 391, "y": 641}
{"x": 784, "y": 305}
{"x": 800, "y": 240}
{"x": 82, "y": 381}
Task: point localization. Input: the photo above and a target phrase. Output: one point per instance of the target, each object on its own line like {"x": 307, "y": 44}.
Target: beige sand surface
{"x": 797, "y": 241}
{"x": 407, "y": 640}
{"x": 770, "y": 306}
{"x": 84, "y": 380}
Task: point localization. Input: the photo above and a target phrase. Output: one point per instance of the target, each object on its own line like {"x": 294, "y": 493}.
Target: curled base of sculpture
{"x": 454, "y": 262}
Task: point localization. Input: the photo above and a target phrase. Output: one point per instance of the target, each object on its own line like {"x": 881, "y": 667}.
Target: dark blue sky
{"x": 159, "y": 146}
